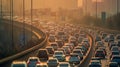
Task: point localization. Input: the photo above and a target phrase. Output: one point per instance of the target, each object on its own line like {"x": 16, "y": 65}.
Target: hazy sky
{"x": 79, "y": 2}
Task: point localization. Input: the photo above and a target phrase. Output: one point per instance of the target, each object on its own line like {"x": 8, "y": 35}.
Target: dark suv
{"x": 43, "y": 54}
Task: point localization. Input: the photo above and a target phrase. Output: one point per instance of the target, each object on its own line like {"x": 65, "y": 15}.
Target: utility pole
{"x": 117, "y": 6}
{"x": 86, "y": 7}
{"x": 96, "y": 10}
{"x": 1, "y": 11}
{"x": 31, "y": 16}
{"x": 11, "y": 20}
{"x": 24, "y": 22}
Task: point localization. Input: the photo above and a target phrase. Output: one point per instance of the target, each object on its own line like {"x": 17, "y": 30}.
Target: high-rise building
{"x": 108, "y": 6}
{"x": 87, "y": 5}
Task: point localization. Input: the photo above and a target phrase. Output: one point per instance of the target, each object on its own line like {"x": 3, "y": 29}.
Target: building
{"x": 108, "y": 6}
{"x": 56, "y": 4}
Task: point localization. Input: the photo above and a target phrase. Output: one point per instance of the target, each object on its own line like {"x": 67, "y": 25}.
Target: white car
{"x": 59, "y": 55}
{"x": 32, "y": 61}
{"x": 64, "y": 64}
{"x": 52, "y": 62}
{"x": 74, "y": 59}
{"x": 19, "y": 64}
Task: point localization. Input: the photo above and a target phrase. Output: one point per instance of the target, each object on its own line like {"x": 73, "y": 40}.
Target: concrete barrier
{"x": 88, "y": 55}
{"x": 43, "y": 43}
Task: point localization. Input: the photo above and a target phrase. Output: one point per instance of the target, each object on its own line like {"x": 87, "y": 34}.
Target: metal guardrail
{"x": 43, "y": 43}
{"x": 88, "y": 56}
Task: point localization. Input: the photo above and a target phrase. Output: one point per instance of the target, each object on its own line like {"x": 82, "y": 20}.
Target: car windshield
{"x": 115, "y": 49}
{"x": 115, "y": 53}
{"x": 33, "y": 60}
{"x": 55, "y": 61}
{"x": 53, "y": 44}
{"x": 76, "y": 52}
{"x": 19, "y": 65}
{"x": 58, "y": 53}
{"x": 116, "y": 57}
{"x": 94, "y": 66}
{"x": 64, "y": 65}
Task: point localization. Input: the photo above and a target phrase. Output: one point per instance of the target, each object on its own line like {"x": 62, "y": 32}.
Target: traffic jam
{"x": 68, "y": 45}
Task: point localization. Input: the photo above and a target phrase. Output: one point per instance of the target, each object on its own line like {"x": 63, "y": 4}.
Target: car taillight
{"x": 28, "y": 62}
{"x": 37, "y": 62}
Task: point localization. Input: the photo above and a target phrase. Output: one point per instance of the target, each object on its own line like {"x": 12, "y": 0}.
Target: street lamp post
{"x": 11, "y": 20}
{"x": 86, "y": 7}
{"x": 117, "y": 6}
{"x": 24, "y": 21}
{"x": 1, "y": 11}
{"x": 31, "y": 16}
{"x": 96, "y": 10}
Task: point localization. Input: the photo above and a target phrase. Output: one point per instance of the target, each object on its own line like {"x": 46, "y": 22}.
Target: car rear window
{"x": 19, "y": 65}
{"x": 116, "y": 57}
{"x": 34, "y": 60}
{"x": 58, "y": 53}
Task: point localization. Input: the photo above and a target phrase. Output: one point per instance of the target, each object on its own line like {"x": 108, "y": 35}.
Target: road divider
{"x": 38, "y": 33}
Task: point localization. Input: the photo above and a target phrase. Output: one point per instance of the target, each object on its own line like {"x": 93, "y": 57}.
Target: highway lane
{"x": 34, "y": 54}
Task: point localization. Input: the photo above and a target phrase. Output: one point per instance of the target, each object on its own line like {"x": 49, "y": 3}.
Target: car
{"x": 96, "y": 58}
{"x": 86, "y": 40}
{"x": 99, "y": 44}
{"x": 84, "y": 51}
{"x": 84, "y": 46}
{"x": 74, "y": 59}
{"x": 72, "y": 38}
{"x": 113, "y": 64}
{"x": 74, "y": 42}
{"x": 118, "y": 36}
{"x": 61, "y": 49}
{"x": 65, "y": 38}
{"x": 103, "y": 48}
{"x": 19, "y": 64}
{"x": 87, "y": 44}
{"x": 82, "y": 35}
{"x": 50, "y": 50}
{"x": 100, "y": 53}
{"x": 97, "y": 38}
{"x": 51, "y": 38}
{"x": 104, "y": 35}
{"x": 80, "y": 39}
{"x": 59, "y": 55}
{"x": 60, "y": 43}
{"x": 43, "y": 54}
{"x": 112, "y": 44}
{"x": 70, "y": 46}
{"x": 64, "y": 64}
{"x": 114, "y": 53}
{"x": 67, "y": 50}
{"x": 60, "y": 33}
{"x": 118, "y": 43}
{"x": 95, "y": 63}
{"x": 79, "y": 52}
{"x": 32, "y": 61}
{"x": 116, "y": 58}
{"x": 115, "y": 48}
{"x": 52, "y": 62}
{"x": 54, "y": 45}
{"x": 111, "y": 36}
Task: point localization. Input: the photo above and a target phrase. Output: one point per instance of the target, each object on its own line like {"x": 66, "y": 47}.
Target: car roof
{"x": 18, "y": 62}
{"x": 33, "y": 58}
